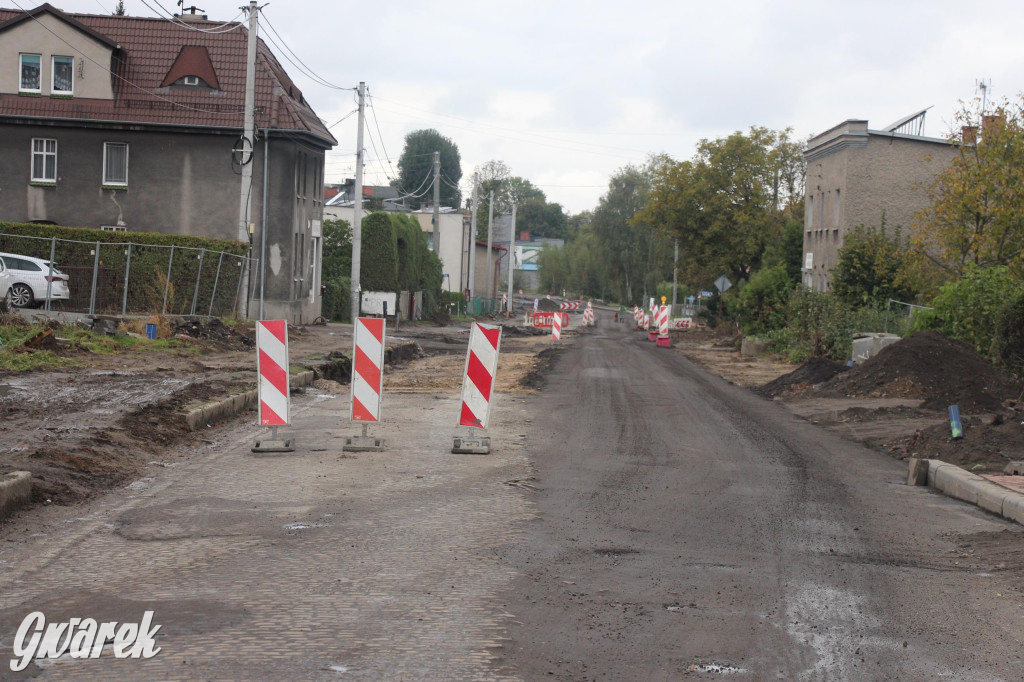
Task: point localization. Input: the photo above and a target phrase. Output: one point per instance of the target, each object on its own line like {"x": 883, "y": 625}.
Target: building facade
{"x": 120, "y": 122}
{"x": 859, "y": 176}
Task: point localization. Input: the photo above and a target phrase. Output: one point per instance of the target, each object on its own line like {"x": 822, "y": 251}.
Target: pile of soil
{"x": 403, "y": 352}
{"x": 228, "y": 338}
{"x": 548, "y": 305}
{"x": 537, "y": 377}
{"x": 811, "y": 373}
{"x": 508, "y": 330}
{"x": 929, "y": 366}
{"x": 985, "y": 447}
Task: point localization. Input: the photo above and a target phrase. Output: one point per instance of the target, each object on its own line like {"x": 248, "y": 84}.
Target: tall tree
{"x": 729, "y": 202}
{"x": 416, "y": 168}
{"x": 628, "y": 242}
{"x": 977, "y": 214}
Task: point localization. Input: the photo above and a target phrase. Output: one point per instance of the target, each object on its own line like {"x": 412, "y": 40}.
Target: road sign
{"x": 723, "y": 284}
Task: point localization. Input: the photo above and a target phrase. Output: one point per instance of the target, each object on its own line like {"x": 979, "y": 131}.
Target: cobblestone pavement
{"x": 308, "y": 565}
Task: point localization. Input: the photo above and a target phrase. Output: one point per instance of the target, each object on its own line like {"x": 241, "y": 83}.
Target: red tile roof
{"x": 149, "y": 48}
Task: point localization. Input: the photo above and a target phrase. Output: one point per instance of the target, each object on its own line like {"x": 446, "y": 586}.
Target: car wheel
{"x": 21, "y": 296}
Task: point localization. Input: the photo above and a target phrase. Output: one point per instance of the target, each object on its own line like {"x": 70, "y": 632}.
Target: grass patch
{"x": 43, "y": 359}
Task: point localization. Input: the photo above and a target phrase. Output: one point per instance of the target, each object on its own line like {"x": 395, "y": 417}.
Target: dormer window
{"x": 63, "y": 75}
{"x": 31, "y": 71}
{"x": 191, "y": 80}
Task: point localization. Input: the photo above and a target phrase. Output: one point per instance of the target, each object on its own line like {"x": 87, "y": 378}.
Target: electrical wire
{"x": 380, "y": 135}
{"x": 120, "y": 77}
{"x": 305, "y": 69}
{"x": 340, "y": 119}
{"x": 179, "y": 22}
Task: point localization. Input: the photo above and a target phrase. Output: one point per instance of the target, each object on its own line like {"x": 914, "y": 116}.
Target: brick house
{"x": 118, "y": 121}
{"x": 855, "y": 175}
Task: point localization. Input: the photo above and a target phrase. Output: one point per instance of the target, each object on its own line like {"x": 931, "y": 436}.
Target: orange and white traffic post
{"x": 478, "y": 386}
{"x": 367, "y": 381}
{"x": 273, "y": 388}
{"x": 663, "y": 339}
{"x": 556, "y": 326}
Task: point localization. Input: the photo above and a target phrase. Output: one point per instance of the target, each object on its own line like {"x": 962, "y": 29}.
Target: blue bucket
{"x": 150, "y": 331}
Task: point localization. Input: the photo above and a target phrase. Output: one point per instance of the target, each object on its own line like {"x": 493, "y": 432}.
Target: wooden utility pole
{"x": 437, "y": 203}
{"x": 357, "y": 208}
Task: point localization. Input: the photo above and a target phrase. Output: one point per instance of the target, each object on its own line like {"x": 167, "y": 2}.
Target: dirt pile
{"x": 986, "y": 446}
{"x": 537, "y": 376}
{"x": 508, "y": 330}
{"x": 547, "y": 305}
{"x": 224, "y": 336}
{"x": 929, "y": 366}
{"x": 811, "y": 373}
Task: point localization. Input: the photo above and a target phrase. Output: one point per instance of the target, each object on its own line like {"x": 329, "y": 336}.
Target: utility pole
{"x": 357, "y": 208}
{"x": 490, "y": 225}
{"x": 437, "y": 203}
{"x": 247, "y": 147}
{"x": 675, "y": 274}
{"x": 472, "y": 238}
{"x": 249, "y": 126}
{"x": 511, "y": 261}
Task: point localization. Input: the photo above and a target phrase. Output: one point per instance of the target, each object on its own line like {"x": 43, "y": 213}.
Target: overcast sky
{"x": 567, "y": 92}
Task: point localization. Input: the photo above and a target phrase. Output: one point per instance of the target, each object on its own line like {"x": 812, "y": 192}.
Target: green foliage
{"x": 729, "y": 202}
{"x": 789, "y": 250}
{"x": 819, "y": 325}
{"x": 416, "y": 164}
{"x": 760, "y": 306}
{"x": 976, "y": 215}
{"x": 871, "y": 268}
{"x": 1008, "y": 344}
{"x": 379, "y": 255}
{"x": 973, "y": 308}
{"x": 31, "y": 247}
{"x": 336, "y": 303}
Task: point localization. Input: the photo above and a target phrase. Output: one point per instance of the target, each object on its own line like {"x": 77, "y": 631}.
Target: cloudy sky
{"x": 567, "y": 92}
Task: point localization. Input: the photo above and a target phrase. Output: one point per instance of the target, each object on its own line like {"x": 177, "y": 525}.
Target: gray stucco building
{"x": 855, "y": 175}
{"x": 116, "y": 121}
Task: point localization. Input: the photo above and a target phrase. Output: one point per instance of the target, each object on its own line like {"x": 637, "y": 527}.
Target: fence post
{"x": 49, "y": 280}
{"x": 238, "y": 291}
{"x": 127, "y": 272}
{"x": 167, "y": 286}
{"x": 199, "y": 277}
{"x": 216, "y": 278}
{"x": 95, "y": 276}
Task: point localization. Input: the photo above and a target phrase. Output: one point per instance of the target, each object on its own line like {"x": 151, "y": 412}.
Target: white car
{"x": 29, "y": 280}
{"x": 5, "y": 289}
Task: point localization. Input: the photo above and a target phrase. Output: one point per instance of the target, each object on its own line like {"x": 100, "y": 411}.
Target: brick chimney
{"x": 989, "y": 122}
{"x": 969, "y": 135}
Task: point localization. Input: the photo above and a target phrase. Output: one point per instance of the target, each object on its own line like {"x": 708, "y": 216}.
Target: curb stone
{"x": 15, "y": 491}
{"x": 222, "y": 409}
{"x": 963, "y": 485}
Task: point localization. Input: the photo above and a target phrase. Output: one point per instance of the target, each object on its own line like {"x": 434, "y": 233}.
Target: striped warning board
{"x": 478, "y": 378}
{"x": 556, "y": 327}
{"x": 272, "y": 364}
{"x": 367, "y": 369}
{"x": 662, "y": 320}
{"x": 569, "y": 305}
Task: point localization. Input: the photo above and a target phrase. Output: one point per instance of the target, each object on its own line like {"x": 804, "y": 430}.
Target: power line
{"x": 373, "y": 111}
{"x": 305, "y": 69}
{"x": 179, "y": 22}
{"x": 120, "y": 77}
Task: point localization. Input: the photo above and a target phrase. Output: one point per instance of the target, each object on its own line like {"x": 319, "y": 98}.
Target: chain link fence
{"x": 135, "y": 279}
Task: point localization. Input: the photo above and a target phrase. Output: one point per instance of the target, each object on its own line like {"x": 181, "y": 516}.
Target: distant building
{"x": 855, "y": 176}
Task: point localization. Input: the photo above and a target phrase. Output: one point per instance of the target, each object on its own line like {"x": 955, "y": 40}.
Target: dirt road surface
{"x": 638, "y": 519}
{"x": 686, "y": 526}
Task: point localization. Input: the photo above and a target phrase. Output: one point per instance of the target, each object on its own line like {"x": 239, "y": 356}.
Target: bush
{"x": 870, "y": 268}
{"x": 760, "y": 305}
{"x": 378, "y": 269}
{"x": 819, "y": 326}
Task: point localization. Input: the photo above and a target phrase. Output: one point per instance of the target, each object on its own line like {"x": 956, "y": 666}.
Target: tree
{"x": 379, "y": 255}
{"x": 729, "y": 202}
{"x": 119, "y": 8}
{"x": 871, "y": 268}
{"x": 416, "y": 168}
{"x": 336, "y": 270}
{"x": 977, "y": 211}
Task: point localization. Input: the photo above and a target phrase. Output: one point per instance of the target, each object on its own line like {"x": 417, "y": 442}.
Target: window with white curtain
{"x": 44, "y": 160}
{"x": 115, "y": 163}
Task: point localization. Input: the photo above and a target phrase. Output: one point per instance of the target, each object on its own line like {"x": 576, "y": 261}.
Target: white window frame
{"x": 191, "y": 80}
{"x": 53, "y": 75}
{"x": 21, "y": 66}
{"x": 115, "y": 183}
{"x": 44, "y": 153}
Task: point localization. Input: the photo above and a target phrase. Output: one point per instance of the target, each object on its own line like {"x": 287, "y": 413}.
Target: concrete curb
{"x": 225, "y": 408}
{"x": 963, "y": 485}
{"x": 15, "y": 491}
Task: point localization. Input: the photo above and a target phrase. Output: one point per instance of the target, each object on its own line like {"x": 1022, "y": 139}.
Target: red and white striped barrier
{"x": 663, "y": 338}
{"x": 272, "y": 352}
{"x": 478, "y": 379}
{"x": 543, "y": 320}
{"x": 367, "y": 369}
{"x": 569, "y": 305}
{"x": 588, "y": 315}
{"x": 682, "y": 323}
{"x": 638, "y": 316}
{"x": 556, "y": 327}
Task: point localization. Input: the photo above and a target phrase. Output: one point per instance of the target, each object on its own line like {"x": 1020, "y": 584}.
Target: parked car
{"x": 29, "y": 278}
{"x": 5, "y": 289}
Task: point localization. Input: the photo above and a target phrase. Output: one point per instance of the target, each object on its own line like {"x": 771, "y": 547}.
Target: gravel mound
{"x": 929, "y": 366}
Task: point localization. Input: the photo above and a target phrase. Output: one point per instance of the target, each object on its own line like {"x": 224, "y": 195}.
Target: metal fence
{"x": 126, "y": 278}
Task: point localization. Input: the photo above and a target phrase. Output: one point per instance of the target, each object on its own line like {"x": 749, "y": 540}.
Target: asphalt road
{"x": 688, "y": 527}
